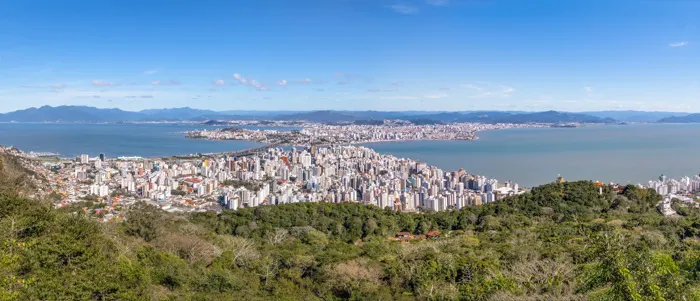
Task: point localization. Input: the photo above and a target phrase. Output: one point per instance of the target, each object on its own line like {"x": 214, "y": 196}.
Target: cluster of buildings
{"x": 687, "y": 190}
{"x": 685, "y": 185}
{"x": 272, "y": 177}
{"x": 258, "y": 135}
{"x": 316, "y": 133}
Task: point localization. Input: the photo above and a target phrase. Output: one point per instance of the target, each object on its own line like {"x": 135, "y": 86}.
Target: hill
{"x": 553, "y": 117}
{"x": 561, "y": 241}
{"x": 503, "y": 117}
{"x": 447, "y": 117}
{"x": 318, "y": 116}
{"x": 633, "y": 116}
{"x": 691, "y": 118}
{"x": 69, "y": 114}
{"x": 185, "y": 113}
{"x": 90, "y": 114}
{"x": 15, "y": 178}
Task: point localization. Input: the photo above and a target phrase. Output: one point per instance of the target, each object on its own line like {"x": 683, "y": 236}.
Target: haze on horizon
{"x": 432, "y": 55}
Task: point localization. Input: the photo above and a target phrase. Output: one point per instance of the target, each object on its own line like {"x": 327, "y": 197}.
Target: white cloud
{"x": 507, "y": 91}
{"x": 58, "y": 86}
{"x": 240, "y": 78}
{"x": 678, "y": 44}
{"x": 305, "y": 81}
{"x": 102, "y": 83}
{"x": 155, "y": 83}
{"x": 403, "y": 9}
{"x": 588, "y": 89}
{"x": 258, "y": 85}
{"x": 282, "y": 82}
{"x": 150, "y": 72}
{"x": 397, "y": 83}
{"x": 220, "y": 82}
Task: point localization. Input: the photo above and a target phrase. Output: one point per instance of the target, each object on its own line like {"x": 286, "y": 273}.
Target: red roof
{"x": 433, "y": 233}
{"x": 193, "y": 180}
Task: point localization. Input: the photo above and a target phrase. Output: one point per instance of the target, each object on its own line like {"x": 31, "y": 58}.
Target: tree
{"x": 144, "y": 221}
{"x": 630, "y": 272}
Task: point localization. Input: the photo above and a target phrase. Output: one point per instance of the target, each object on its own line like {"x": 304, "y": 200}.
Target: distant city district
{"x": 324, "y": 134}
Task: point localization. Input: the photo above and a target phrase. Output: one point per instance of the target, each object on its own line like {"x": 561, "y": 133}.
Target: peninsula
{"x": 318, "y": 133}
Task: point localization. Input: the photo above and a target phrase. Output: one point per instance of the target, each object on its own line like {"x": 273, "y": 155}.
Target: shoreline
{"x": 59, "y": 156}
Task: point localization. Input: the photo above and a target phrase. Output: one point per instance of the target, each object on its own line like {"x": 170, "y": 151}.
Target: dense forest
{"x": 561, "y": 241}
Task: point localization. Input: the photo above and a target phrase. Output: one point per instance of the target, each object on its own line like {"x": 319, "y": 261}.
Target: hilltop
{"x": 691, "y": 118}
{"x": 186, "y": 114}
{"x": 561, "y": 241}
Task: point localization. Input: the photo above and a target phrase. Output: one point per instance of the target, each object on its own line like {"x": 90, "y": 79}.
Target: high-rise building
{"x": 102, "y": 157}
{"x": 84, "y": 159}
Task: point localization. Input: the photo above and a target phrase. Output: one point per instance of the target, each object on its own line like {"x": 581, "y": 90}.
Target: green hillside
{"x": 562, "y": 241}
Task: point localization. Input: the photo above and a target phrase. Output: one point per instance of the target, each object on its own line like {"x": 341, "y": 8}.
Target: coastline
{"x": 600, "y": 152}
{"x": 195, "y": 155}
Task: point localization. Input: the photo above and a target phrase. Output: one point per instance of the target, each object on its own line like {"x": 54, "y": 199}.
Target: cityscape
{"x": 350, "y": 150}
{"x": 328, "y": 169}
{"x": 318, "y": 133}
{"x": 272, "y": 177}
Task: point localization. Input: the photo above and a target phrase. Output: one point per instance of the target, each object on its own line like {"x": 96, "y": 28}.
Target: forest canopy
{"x": 561, "y": 241}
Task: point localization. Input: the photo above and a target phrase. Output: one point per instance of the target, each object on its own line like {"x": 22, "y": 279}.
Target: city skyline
{"x": 352, "y": 55}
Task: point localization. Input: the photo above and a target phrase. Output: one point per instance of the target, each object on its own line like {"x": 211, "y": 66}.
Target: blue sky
{"x": 352, "y": 54}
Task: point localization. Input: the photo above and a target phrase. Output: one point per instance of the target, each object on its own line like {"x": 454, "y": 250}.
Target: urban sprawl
{"x": 328, "y": 169}
{"x": 316, "y": 133}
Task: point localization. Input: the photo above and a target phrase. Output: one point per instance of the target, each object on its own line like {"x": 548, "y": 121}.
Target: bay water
{"x": 623, "y": 154}
{"x": 145, "y": 140}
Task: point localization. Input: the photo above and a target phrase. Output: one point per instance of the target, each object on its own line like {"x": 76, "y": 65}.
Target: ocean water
{"x": 622, "y": 154}
{"x": 145, "y": 140}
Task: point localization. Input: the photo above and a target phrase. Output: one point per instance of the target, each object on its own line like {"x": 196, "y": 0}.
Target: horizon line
{"x": 333, "y": 110}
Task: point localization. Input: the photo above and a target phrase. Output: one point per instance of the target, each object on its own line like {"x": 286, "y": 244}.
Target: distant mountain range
{"x": 70, "y": 114}
{"x": 634, "y": 116}
{"x": 91, "y": 114}
{"x": 692, "y": 118}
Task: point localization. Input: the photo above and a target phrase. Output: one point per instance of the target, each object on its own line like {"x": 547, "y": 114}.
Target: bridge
{"x": 248, "y": 152}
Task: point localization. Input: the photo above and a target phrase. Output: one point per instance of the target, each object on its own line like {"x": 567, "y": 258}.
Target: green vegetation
{"x": 178, "y": 192}
{"x": 14, "y": 178}
{"x": 562, "y": 241}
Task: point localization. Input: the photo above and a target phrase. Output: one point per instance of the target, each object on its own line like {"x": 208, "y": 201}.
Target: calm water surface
{"x": 632, "y": 153}
{"x": 627, "y": 153}
{"x": 146, "y": 140}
